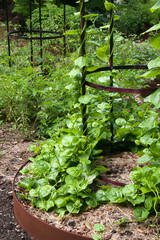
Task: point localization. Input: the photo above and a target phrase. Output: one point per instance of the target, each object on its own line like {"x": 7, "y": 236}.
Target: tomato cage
{"x": 32, "y": 34}
{"x": 109, "y": 67}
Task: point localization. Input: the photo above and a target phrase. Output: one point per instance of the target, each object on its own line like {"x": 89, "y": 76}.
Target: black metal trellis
{"x": 111, "y": 61}
{"x": 8, "y": 29}
{"x": 109, "y": 68}
{"x": 21, "y": 34}
{"x": 83, "y": 52}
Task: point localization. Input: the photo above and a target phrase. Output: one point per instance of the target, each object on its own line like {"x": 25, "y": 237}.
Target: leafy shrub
{"x": 135, "y": 16}
{"x": 52, "y": 18}
{"x": 63, "y": 171}
{"x": 30, "y": 98}
{"x": 23, "y": 6}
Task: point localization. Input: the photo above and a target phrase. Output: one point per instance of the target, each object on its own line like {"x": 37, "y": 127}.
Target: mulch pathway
{"x": 13, "y": 153}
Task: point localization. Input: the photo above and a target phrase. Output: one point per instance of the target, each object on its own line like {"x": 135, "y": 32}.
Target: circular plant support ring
{"x": 35, "y": 227}
{"x": 147, "y": 91}
{"x": 14, "y": 34}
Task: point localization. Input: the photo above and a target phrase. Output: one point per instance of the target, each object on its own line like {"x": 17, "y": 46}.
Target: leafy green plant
{"x": 135, "y": 16}
{"x": 61, "y": 176}
{"x": 28, "y": 97}
{"x": 23, "y": 7}
{"x": 145, "y": 190}
{"x": 52, "y": 18}
{"x": 151, "y": 124}
{"x": 100, "y": 228}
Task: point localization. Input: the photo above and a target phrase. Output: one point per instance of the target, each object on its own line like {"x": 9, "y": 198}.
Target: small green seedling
{"x": 101, "y": 228}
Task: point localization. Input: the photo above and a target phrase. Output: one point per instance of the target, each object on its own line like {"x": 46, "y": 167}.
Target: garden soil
{"x": 14, "y": 152}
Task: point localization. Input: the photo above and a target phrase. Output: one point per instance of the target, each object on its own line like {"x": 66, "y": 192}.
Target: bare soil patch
{"x": 14, "y": 152}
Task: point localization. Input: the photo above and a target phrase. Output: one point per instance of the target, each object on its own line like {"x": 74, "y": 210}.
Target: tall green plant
{"x": 61, "y": 175}
{"x": 151, "y": 124}
{"x": 62, "y": 172}
{"x": 145, "y": 191}
{"x": 52, "y": 18}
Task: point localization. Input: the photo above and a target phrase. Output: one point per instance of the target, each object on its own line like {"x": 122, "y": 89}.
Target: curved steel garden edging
{"x": 35, "y": 227}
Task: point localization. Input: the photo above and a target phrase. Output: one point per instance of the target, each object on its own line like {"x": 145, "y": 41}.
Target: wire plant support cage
{"x": 34, "y": 34}
{"x": 109, "y": 67}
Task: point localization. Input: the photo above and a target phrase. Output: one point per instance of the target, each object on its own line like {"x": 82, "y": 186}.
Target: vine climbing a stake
{"x": 111, "y": 58}
{"x": 83, "y": 52}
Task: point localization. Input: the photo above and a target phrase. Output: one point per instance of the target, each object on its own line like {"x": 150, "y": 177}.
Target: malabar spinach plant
{"x": 151, "y": 125}
{"x": 60, "y": 177}
{"x": 144, "y": 192}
